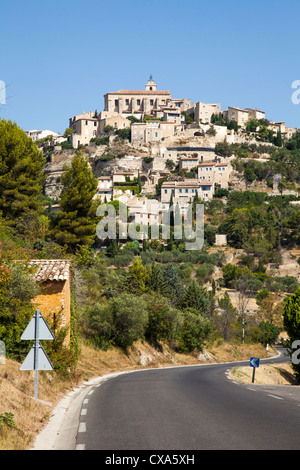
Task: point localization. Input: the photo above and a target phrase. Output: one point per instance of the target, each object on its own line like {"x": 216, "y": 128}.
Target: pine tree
{"x": 195, "y": 297}
{"x": 75, "y": 224}
{"x": 291, "y": 323}
{"x": 21, "y": 174}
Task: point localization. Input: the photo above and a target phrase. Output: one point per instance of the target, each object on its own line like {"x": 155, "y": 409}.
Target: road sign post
{"x": 37, "y": 359}
{"x": 254, "y": 362}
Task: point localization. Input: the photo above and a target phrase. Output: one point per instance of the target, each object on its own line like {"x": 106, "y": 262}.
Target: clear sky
{"x": 58, "y": 58}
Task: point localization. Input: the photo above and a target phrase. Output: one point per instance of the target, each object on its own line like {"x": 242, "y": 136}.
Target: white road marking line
{"x": 80, "y": 447}
{"x": 82, "y": 427}
{"x": 85, "y": 401}
{"x": 91, "y": 392}
{"x": 83, "y": 411}
{"x": 274, "y": 396}
{"x": 253, "y": 389}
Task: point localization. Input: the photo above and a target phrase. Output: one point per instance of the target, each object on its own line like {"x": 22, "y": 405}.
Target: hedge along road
{"x": 187, "y": 408}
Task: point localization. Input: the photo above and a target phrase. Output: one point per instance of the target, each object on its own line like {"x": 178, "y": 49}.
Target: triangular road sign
{"x": 44, "y": 362}
{"x": 44, "y": 331}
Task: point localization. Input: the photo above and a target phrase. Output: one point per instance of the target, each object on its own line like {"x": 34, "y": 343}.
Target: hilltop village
{"x": 147, "y": 146}
{"x": 174, "y": 147}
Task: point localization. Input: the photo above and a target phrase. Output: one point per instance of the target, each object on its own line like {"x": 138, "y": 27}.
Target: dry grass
{"x": 267, "y": 374}
{"x": 30, "y": 415}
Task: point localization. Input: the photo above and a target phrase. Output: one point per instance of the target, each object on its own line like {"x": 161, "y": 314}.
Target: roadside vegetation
{"x": 150, "y": 293}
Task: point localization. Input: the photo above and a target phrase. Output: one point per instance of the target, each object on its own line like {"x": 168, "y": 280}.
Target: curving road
{"x": 188, "y": 408}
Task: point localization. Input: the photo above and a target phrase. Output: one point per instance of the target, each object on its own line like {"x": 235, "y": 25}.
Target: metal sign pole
{"x": 36, "y": 355}
{"x": 254, "y": 362}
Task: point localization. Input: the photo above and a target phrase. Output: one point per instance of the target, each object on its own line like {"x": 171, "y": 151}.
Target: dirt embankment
{"x": 267, "y": 374}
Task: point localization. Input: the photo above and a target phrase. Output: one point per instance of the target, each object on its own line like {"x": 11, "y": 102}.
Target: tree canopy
{"x": 75, "y": 224}
{"x": 21, "y": 174}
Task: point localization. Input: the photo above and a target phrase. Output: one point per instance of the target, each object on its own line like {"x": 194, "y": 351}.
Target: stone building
{"x": 217, "y": 173}
{"x": 105, "y": 188}
{"x": 183, "y": 192}
{"x": 204, "y": 111}
{"x": 137, "y": 103}
{"x": 85, "y": 127}
{"x": 113, "y": 119}
{"x": 241, "y": 116}
{"x": 151, "y": 131}
{"x": 54, "y": 301}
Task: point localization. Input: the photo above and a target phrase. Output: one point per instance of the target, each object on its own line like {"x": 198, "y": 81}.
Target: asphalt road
{"x": 188, "y": 408}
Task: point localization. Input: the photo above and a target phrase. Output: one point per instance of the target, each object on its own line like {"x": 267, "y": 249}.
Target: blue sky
{"x": 59, "y": 58}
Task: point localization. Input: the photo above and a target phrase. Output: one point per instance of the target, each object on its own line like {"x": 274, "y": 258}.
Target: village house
{"x": 145, "y": 212}
{"x": 123, "y": 176}
{"x": 203, "y": 154}
{"x": 188, "y": 163}
{"x": 241, "y": 116}
{"x": 54, "y": 301}
{"x": 105, "y": 188}
{"x": 183, "y": 192}
{"x": 255, "y": 113}
{"x": 217, "y": 173}
{"x": 151, "y": 132}
{"x": 85, "y": 127}
{"x": 286, "y": 132}
{"x": 36, "y": 135}
{"x": 204, "y": 111}
{"x": 113, "y": 119}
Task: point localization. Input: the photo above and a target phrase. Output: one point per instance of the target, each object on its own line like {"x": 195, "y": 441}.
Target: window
{"x": 138, "y": 102}
{"x": 95, "y": 124}
{"x": 151, "y": 102}
{"x": 127, "y": 102}
{"x": 116, "y": 102}
{"x": 86, "y": 123}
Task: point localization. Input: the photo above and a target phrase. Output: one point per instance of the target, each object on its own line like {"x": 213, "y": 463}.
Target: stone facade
{"x": 218, "y": 173}
{"x": 183, "y": 192}
{"x": 204, "y": 111}
{"x": 54, "y": 277}
{"x": 85, "y": 127}
{"x": 137, "y": 103}
{"x": 151, "y": 132}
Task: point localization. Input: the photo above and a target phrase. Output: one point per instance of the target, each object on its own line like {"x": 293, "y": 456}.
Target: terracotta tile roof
{"x": 51, "y": 269}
